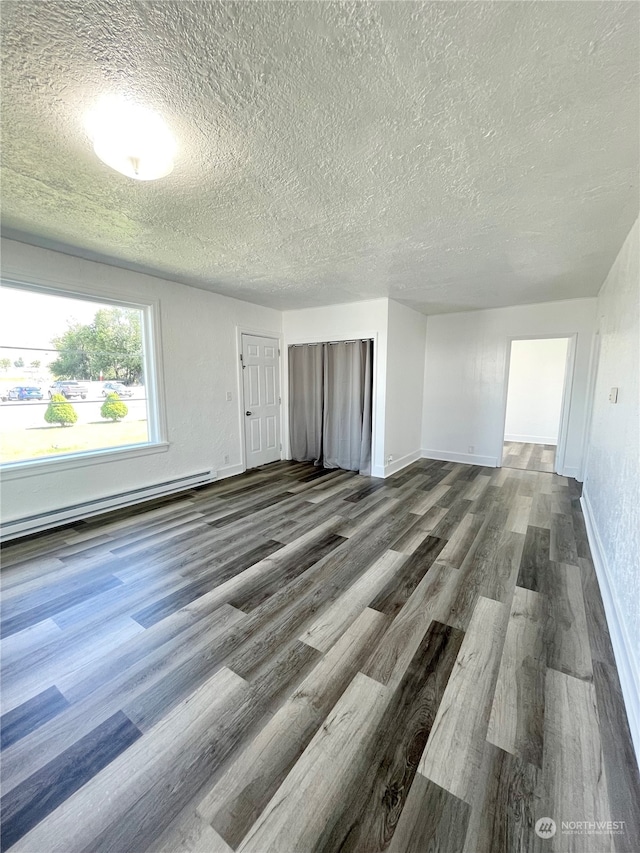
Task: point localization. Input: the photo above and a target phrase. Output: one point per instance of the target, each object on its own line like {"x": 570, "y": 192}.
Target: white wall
{"x": 339, "y": 323}
{"x": 536, "y": 383}
{"x": 405, "y": 386}
{"x": 611, "y": 496}
{"x": 199, "y": 352}
{"x": 465, "y": 377}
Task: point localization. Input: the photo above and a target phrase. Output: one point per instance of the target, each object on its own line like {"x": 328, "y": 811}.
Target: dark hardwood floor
{"x": 530, "y": 457}
{"x": 307, "y": 660}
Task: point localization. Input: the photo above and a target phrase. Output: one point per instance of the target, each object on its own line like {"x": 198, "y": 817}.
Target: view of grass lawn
{"x": 20, "y": 444}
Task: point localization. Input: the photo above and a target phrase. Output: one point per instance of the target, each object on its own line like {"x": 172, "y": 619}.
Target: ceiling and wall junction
{"x": 448, "y": 155}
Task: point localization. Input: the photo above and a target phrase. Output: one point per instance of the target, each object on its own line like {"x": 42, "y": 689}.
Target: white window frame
{"x": 154, "y": 386}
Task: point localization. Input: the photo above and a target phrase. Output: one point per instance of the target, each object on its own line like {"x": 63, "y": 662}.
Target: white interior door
{"x": 261, "y": 384}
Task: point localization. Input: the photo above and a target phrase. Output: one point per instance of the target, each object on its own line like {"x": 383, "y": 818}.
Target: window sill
{"x": 34, "y": 467}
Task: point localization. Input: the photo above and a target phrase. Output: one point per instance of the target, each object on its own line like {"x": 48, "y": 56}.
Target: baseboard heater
{"x": 77, "y": 512}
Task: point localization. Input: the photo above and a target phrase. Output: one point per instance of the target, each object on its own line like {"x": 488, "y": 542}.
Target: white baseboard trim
{"x": 532, "y": 439}
{"x": 229, "y": 471}
{"x": 570, "y": 472}
{"x": 78, "y": 512}
{"x": 465, "y": 458}
{"x": 623, "y": 648}
{"x": 398, "y": 464}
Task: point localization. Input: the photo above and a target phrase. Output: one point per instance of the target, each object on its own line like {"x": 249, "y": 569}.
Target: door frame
{"x": 594, "y": 363}
{"x": 565, "y": 407}
{"x": 261, "y": 333}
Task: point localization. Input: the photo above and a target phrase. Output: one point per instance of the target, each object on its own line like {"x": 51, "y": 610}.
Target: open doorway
{"x": 534, "y": 421}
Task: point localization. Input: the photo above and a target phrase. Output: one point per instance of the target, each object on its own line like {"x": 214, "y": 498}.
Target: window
{"x": 75, "y": 376}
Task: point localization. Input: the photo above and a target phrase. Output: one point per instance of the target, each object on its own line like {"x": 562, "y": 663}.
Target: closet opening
{"x": 330, "y": 404}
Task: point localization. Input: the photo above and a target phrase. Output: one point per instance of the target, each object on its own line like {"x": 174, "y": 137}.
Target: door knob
{"x": 248, "y": 413}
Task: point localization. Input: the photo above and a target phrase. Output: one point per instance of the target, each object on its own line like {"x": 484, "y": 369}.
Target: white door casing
{"x": 261, "y": 390}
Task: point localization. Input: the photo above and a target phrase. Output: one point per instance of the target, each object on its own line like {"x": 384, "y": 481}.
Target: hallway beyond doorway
{"x": 529, "y": 457}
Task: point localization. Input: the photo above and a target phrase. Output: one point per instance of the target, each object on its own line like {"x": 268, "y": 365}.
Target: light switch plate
{"x": 613, "y": 396}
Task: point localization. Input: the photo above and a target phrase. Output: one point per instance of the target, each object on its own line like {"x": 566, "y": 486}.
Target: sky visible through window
{"x": 96, "y": 348}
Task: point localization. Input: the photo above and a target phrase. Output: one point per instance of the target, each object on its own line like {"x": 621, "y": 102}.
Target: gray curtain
{"x": 306, "y": 384}
{"x": 330, "y": 399}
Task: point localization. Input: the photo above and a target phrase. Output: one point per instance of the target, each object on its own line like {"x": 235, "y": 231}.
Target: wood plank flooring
{"x": 308, "y": 660}
{"x": 529, "y": 457}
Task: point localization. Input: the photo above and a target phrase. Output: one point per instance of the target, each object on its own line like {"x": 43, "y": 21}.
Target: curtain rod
{"x": 322, "y": 343}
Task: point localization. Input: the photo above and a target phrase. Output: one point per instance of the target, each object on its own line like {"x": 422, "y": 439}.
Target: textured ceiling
{"x": 450, "y": 155}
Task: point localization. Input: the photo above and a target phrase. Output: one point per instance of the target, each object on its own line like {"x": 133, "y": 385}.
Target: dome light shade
{"x": 131, "y": 139}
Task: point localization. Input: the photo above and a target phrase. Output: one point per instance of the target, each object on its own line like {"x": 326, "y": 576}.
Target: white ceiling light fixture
{"x": 131, "y": 139}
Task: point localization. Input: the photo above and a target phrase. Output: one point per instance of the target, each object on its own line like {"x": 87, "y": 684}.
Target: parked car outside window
{"x": 116, "y": 388}
{"x": 24, "y": 392}
{"x": 68, "y": 388}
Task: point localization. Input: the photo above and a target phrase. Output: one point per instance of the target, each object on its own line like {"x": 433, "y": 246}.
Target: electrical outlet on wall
{"x": 389, "y": 458}
{"x": 229, "y": 396}
{"x": 226, "y": 458}
{"x": 471, "y": 448}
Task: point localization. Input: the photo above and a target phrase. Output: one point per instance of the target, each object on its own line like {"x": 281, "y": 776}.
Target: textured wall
{"x": 465, "y": 377}
{"x": 405, "y": 384}
{"x": 612, "y": 482}
{"x": 447, "y": 155}
{"x": 200, "y": 357}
